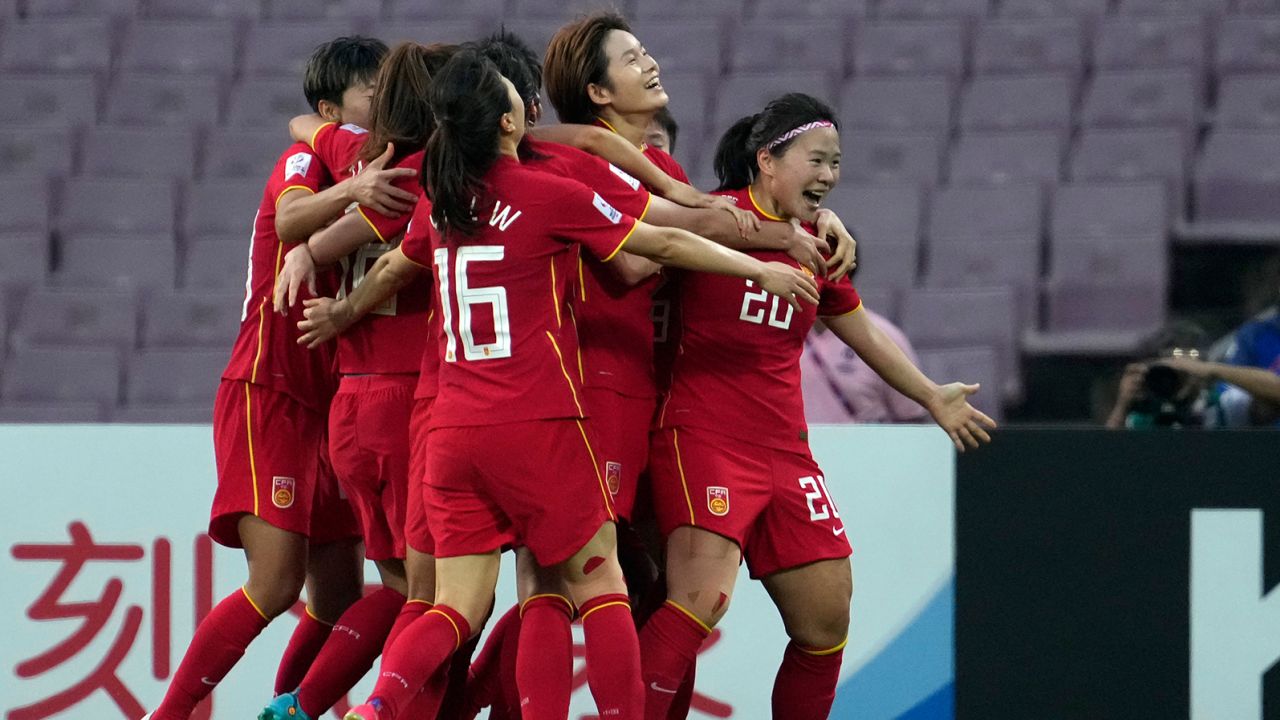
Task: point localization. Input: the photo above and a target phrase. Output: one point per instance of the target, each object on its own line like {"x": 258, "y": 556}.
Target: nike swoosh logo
{"x": 655, "y": 686}
{"x": 207, "y": 681}
{"x": 837, "y": 531}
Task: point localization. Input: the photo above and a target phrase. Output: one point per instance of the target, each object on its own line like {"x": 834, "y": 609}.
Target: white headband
{"x": 798, "y": 131}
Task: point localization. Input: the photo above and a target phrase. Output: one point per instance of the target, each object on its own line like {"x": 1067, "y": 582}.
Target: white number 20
{"x": 468, "y": 298}
{"x": 821, "y": 506}
{"x": 756, "y": 314}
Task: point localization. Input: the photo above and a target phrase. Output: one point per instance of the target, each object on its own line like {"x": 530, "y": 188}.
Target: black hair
{"x": 516, "y": 61}
{"x": 339, "y": 64}
{"x": 668, "y": 123}
{"x": 735, "y": 159}
{"x": 468, "y": 97}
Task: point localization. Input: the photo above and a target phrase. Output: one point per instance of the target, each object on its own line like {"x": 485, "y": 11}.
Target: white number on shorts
{"x": 821, "y": 506}
{"x": 757, "y": 314}
{"x": 468, "y": 297}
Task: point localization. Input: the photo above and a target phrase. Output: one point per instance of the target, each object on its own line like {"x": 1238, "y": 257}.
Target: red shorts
{"x": 773, "y": 503}
{"x": 620, "y": 425}
{"x": 532, "y": 483}
{"x": 269, "y": 450}
{"x": 417, "y": 534}
{"x": 369, "y": 446}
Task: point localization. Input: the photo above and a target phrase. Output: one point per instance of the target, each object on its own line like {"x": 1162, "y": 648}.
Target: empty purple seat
{"x": 812, "y": 10}
{"x": 955, "y": 318}
{"x": 971, "y": 365}
{"x": 1134, "y": 155}
{"x": 52, "y": 412}
{"x": 743, "y": 94}
{"x": 1116, "y": 284}
{"x": 891, "y": 265}
{"x": 1029, "y": 46}
{"x": 356, "y": 11}
{"x": 26, "y": 259}
{"x": 1053, "y": 8}
{"x": 51, "y": 375}
{"x": 777, "y": 45}
{"x": 83, "y": 318}
{"x": 63, "y": 45}
{"x": 689, "y": 46}
{"x": 222, "y": 206}
{"x": 1126, "y": 43}
{"x": 208, "y": 10}
{"x": 930, "y": 9}
{"x": 878, "y": 214}
{"x": 1248, "y": 43}
{"x": 897, "y": 103}
{"x": 122, "y": 207}
{"x": 991, "y": 157}
{"x": 1034, "y": 102}
{"x": 1249, "y": 101}
{"x": 189, "y": 48}
{"x": 181, "y": 101}
{"x": 35, "y": 150}
{"x": 242, "y": 152}
{"x": 1238, "y": 177}
{"x": 486, "y": 10}
{"x": 1143, "y": 98}
{"x": 1172, "y": 7}
{"x": 1111, "y": 261}
{"x": 1253, "y": 6}
{"x": 660, "y": 9}
{"x": 910, "y": 48}
{"x": 987, "y": 263}
{"x": 888, "y": 158}
{"x": 216, "y": 263}
{"x": 81, "y": 8}
{"x": 281, "y": 49}
{"x": 1008, "y": 213}
{"x": 689, "y": 96}
{"x": 138, "y": 153}
{"x": 193, "y": 319}
{"x": 44, "y": 99}
{"x": 448, "y": 31}
{"x": 24, "y": 205}
{"x": 1107, "y": 210}
{"x": 559, "y": 10}
{"x": 173, "y": 377}
{"x": 266, "y": 103}
{"x": 126, "y": 263}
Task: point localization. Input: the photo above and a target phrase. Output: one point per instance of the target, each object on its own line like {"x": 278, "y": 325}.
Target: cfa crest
{"x": 718, "y": 500}
{"x": 613, "y": 476}
{"x": 282, "y": 492}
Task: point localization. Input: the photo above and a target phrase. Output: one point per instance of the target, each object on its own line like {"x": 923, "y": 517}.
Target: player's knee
{"x": 274, "y": 598}
{"x": 824, "y": 628}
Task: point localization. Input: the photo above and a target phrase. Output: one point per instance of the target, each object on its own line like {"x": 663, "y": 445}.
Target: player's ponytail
{"x": 469, "y": 100}
{"x": 400, "y": 111}
{"x": 774, "y": 130}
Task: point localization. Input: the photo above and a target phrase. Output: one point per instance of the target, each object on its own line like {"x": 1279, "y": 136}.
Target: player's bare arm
{"x": 326, "y": 247}
{"x": 844, "y": 255}
{"x": 948, "y": 404}
{"x": 1261, "y": 383}
{"x": 718, "y": 227}
{"x": 326, "y": 318}
{"x": 682, "y": 249}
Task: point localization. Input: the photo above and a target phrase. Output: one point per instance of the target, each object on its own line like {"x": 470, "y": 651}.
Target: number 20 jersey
{"x": 737, "y": 369}
{"x": 508, "y": 348}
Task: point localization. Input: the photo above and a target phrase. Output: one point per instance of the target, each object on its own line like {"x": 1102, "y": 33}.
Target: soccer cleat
{"x": 371, "y": 710}
{"x": 284, "y": 707}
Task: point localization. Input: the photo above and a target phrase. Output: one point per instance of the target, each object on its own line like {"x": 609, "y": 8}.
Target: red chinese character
{"x": 700, "y": 702}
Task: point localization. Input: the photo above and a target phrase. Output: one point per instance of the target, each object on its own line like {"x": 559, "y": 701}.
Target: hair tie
{"x": 791, "y": 134}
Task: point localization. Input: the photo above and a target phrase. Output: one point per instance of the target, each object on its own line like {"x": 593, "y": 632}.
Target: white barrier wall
{"x": 105, "y": 567}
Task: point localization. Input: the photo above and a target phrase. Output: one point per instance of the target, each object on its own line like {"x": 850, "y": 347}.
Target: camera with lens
{"x": 1171, "y": 395}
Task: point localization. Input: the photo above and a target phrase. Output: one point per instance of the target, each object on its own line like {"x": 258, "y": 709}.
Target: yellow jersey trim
{"x": 675, "y": 439}
{"x": 751, "y": 194}
{"x": 312, "y": 142}
{"x": 360, "y": 209}
{"x": 572, "y": 391}
{"x": 846, "y": 314}
{"x": 248, "y": 432}
{"x": 292, "y": 187}
{"x": 625, "y": 238}
{"x": 555, "y": 299}
{"x": 604, "y": 489}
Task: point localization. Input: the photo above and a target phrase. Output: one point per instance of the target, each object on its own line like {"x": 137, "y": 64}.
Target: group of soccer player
{"x": 546, "y": 341}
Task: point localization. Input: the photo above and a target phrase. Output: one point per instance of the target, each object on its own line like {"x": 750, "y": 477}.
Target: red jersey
{"x": 416, "y": 246}
{"x": 390, "y": 339}
{"x": 266, "y": 351}
{"x": 615, "y": 332}
{"x": 737, "y": 370}
{"x": 507, "y": 342}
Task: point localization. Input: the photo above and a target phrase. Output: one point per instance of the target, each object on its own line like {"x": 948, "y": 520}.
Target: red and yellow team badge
{"x": 282, "y": 492}
{"x": 613, "y": 476}
{"x": 718, "y": 500}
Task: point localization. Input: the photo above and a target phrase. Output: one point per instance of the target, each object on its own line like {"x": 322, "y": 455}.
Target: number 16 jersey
{"x": 508, "y": 346}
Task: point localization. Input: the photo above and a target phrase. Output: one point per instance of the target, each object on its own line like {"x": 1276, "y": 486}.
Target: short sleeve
{"x": 614, "y": 185}
{"x": 417, "y": 236}
{"x": 837, "y": 297}
{"x": 580, "y": 215}
{"x": 297, "y": 169}
{"x": 337, "y": 146}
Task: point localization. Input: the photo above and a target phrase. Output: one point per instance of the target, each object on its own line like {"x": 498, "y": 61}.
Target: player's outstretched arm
{"x": 682, "y": 249}
{"x": 326, "y": 247}
{"x": 721, "y": 228}
{"x": 948, "y": 404}
{"x": 1261, "y": 383}
{"x": 326, "y": 318}
{"x": 373, "y": 187}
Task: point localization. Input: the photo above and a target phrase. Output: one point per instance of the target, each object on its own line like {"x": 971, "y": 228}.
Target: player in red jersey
{"x": 378, "y": 362}
{"x": 274, "y": 498}
{"x": 733, "y": 475}
{"x": 505, "y": 387}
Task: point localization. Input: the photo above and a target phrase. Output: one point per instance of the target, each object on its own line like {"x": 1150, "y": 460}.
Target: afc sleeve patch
{"x": 297, "y": 164}
{"x": 634, "y": 183}
{"x": 353, "y": 128}
{"x": 611, "y": 214}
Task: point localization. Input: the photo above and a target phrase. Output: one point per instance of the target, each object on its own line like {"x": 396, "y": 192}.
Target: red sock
{"x": 412, "y": 610}
{"x": 669, "y": 645}
{"x": 613, "y": 657}
{"x": 806, "y": 684}
{"x": 484, "y": 683}
{"x": 356, "y": 642}
{"x": 219, "y": 643}
{"x": 304, "y": 645}
{"x": 417, "y": 654}
{"x": 545, "y": 675}
{"x": 684, "y": 699}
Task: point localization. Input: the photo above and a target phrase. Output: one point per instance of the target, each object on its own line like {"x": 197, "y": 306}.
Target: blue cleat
{"x": 284, "y": 707}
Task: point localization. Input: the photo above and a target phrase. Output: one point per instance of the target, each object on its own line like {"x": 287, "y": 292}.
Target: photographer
{"x": 1161, "y": 391}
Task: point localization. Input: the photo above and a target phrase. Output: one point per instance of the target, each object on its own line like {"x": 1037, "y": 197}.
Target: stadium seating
{"x": 773, "y": 45}
{"x": 356, "y": 12}
{"x": 1128, "y": 43}
{"x": 36, "y": 150}
{"x": 910, "y": 48}
{"x": 281, "y": 48}
{"x": 969, "y": 365}
{"x": 1029, "y": 46}
{"x": 136, "y": 261}
{"x": 58, "y": 375}
{"x": 1008, "y": 157}
{"x": 879, "y": 214}
{"x": 956, "y": 318}
{"x": 218, "y": 263}
{"x": 56, "y": 46}
{"x": 116, "y": 207}
{"x": 204, "y": 10}
{"x": 189, "y": 319}
{"x": 173, "y": 100}
{"x": 1143, "y": 98}
{"x": 48, "y": 99}
{"x": 693, "y": 46}
{"x": 188, "y": 48}
{"x": 82, "y": 318}
{"x": 897, "y": 104}
{"x": 221, "y": 206}
{"x": 889, "y": 158}
{"x": 993, "y": 212}
{"x": 1088, "y": 9}
{"x": 243, "y": 153}
{"x": 139, "y": 153}
{"x": 1034, "y": 102}
{"x": 1249, "y": 102}
{"x": 1237, "y": 177}
{"x": 1248, "y": 44}
{"x": 1104, "y": 210}
{"x": 174, "y": 377}
{"x": 81, "y": 8}
{"x": 266, "y": 104}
